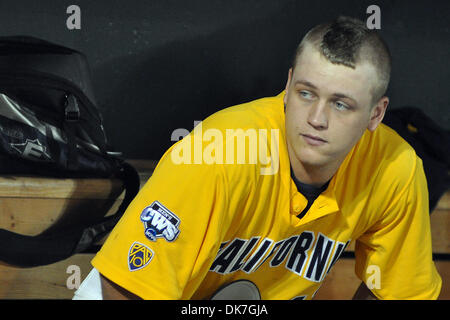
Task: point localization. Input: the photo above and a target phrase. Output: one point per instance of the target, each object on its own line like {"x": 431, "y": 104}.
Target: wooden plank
{"x": 45, "y": 282}
{"x": 443, "y": 268}
{"x": 444, "y": 201}
{"x": 440, "y": 230}
{"x": 341, "y": 283}
{"x": 30, "y": 205}
{"x": 33, "y": 216}
{"x": 52, "y": 188}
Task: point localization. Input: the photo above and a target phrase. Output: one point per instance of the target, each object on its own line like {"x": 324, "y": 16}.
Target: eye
{"x": 341, "y": 106}
{"x": 306, "y": 94}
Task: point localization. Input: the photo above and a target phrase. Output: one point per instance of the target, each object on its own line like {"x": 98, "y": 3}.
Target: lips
{"x": 314, "y": 137}
{"x": 313, "y": 140}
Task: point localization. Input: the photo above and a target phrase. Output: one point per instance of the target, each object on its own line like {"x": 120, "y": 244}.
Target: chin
{"x": 312, "y": 158}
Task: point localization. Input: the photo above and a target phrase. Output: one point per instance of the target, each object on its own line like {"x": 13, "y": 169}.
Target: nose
{"x": 318, "y": 116}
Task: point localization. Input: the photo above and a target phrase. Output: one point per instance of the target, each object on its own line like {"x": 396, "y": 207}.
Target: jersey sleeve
{"x": 166, "y": 240}
{"x": 394, "y": 257}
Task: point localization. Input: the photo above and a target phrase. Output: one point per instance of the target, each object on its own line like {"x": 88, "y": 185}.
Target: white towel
{"x": 90, "y": 288}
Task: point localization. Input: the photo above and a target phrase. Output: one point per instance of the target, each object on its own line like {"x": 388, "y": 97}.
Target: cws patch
{"x": 139, "y": 256}
{"x": 160, "y": 222}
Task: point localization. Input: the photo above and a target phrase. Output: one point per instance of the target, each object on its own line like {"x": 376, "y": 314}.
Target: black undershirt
{"x": 309, "y": 191}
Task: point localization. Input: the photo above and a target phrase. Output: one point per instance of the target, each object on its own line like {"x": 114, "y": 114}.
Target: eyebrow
{"x": 338, "y": 95}
{"x": 306, "y": 83}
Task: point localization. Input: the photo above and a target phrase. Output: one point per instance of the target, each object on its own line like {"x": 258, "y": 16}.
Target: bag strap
{"x": 97, "y": 231}
{"x": 57, "y": 245}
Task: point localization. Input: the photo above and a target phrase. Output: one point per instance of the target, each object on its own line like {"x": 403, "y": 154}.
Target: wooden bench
{"x": 48, "y": 198}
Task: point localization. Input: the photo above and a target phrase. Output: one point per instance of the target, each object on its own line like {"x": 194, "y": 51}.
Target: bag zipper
{"x": 40, "y": 79}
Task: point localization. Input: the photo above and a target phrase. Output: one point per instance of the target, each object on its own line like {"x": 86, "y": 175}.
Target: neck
{"x": 312, "y": 175}
{"x": 316, "y": 175}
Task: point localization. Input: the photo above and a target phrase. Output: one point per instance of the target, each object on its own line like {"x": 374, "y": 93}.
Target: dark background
{"x": 159, "y": 65}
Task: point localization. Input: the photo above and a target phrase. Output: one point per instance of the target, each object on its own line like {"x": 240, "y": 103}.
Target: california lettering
{"x": 308, "y": 255}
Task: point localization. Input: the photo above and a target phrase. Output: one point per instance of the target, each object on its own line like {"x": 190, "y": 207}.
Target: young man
{"x": 272, "y": 191}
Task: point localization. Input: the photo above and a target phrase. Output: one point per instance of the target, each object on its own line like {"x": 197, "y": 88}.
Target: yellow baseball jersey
{"x": 221, "y": 206}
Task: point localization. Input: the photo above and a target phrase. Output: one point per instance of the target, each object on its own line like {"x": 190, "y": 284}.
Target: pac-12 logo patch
{"x": 139, "y": 256}
{"x": 160, "y": 222}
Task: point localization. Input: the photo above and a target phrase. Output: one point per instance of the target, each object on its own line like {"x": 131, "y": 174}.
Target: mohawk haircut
{"x": 347, "y": 41}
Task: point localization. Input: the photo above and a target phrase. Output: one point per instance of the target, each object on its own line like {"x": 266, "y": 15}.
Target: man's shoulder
{"x": 394, "y": 148}
{"x": 389, "y": 157}
{"x": 378, "y": 171}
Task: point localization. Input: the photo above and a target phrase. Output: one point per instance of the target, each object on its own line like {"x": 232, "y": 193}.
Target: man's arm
{"x": 363, "y": 293}
{"x": 112, "y": 291}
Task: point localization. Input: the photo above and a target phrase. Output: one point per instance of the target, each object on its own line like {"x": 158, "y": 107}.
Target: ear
{"x": 377, "y": 113}
{"x": 288, "y": 83}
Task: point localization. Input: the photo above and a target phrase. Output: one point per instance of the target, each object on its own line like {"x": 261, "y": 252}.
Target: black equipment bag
{"x": 50, "y": 126}
{"x": 431, "y": 143}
